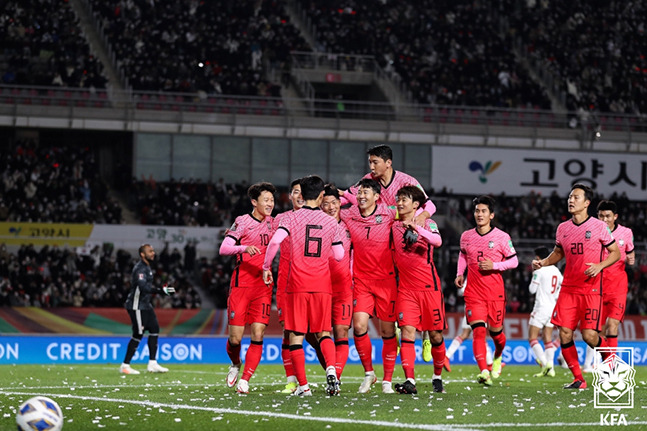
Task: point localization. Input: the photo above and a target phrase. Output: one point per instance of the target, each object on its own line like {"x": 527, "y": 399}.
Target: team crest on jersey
{"x": 269, "y": 225}
{"x": 490, "y": 244}
{"x": 587, "y": 235}
{"x": 348, "y": 234}
{"x": 378, "y": 219}
{"x": 621, "y": 242}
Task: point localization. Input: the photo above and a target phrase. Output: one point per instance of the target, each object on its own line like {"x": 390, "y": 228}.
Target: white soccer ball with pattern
{"x": 39, "y": 414}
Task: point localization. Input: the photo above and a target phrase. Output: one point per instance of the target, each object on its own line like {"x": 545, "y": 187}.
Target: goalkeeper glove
{"x": 410, "y": 237}
{"x": 169, "y": 290}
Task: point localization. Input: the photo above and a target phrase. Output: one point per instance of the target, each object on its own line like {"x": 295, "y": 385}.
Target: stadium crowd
{"x": 447, "y": 52}
{"x": 213, "y": 47}
{"x": 54, "y": 184}
{"x": 592, "y": 47}
{"x": 64, "y": 277}
{"x": 41, "y": 43}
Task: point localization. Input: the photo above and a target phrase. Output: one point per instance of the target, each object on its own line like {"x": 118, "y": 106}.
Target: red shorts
{"x": 422, "y": 309}
{"x": 247, "y": 305}
{"x": 491, "y": 312}
{"x": 308, "y": 312}
{"x": 376, "y": 297}
{"x": 342, "y": 308}
{"x": 572, "y": 309}
{"x": 613, "y": 306}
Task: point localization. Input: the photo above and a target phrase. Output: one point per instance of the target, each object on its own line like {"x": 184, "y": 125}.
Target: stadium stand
{"x": 54, "y": 184}
{"x": 41, "y": 44}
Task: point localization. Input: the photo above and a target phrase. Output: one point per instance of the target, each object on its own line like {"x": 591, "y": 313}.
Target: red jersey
{"x": 284, "y": 256}
{"x": 370, "y": 235}
{"x": 340, "y": 271}
{"x": 247, "y": 231}
{"x": 388, "y": 192}
{"x": 312, "y": 235}
{"x": 582, "y": 243}
{"x": 614, "y": 278}
{"x": 496, "y": 246}
{"x": 415, "y": 263}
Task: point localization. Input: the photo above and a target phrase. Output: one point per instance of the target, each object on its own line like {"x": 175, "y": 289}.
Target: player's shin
{"x": 327, "y": 350}
{"x": 438, "y": 353}
{"x": 499, "y": 342}
{"x": 364, "y": 350}
{"x": 299, "y": 363}
{"x": 252, "y": 359}
{"x": 570, "y": 356}
{"x": 538, "y": 351}
{"x": 389, "y": 355}
{"x": 612, "y": 341}
{"x": 478, "y": 344}
{"x": 233, "y": 351}
{"x": 341, "y": 355}
{"x": 408, "y": 358}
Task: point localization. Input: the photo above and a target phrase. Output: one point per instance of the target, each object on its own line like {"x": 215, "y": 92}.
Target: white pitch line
{"x": 439, "y": 427}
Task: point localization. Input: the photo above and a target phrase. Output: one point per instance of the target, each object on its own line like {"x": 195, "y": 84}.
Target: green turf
{"x": 194, "y": 397}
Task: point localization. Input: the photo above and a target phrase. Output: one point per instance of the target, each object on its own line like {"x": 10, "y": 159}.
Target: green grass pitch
{"x": 195, "y": 397}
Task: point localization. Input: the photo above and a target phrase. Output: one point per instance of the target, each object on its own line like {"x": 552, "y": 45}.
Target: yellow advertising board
{"x": 73, "y": 235}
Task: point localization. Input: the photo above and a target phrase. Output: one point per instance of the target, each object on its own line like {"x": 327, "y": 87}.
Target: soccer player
{"x": 380, "y": 160}
{"x": 250, "y": 299}
{"x": 314, "y": 238}
{"x": 420, "y": 304}
{"x": 141, "y": 311}
{"x": 545, "y": 285}
{"x": 281, "y": 286}
{"x": 614, "y": 278}
{"x": 342, "y": 284}
{"x": 374, "y": 284}
{"x": 581, "y": 241}
{"x": 485, "y": 252}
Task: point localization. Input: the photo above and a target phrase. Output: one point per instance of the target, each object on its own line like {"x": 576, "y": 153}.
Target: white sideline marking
{"x": 439, "y": 427}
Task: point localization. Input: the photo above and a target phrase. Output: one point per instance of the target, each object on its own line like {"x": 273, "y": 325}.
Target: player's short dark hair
{"x": 608, "y": 206}
{"x": 485, "y": 200}
{"x": 382, "y": 151}
{"x": 296, "y": 182}
{"x": 330, "y": 189}
{"x": 414, "y": 193}
{"x": 142, "y": 247}
{"x": 311, "y": 187}
{"x": 588, "y": 191}
{"x": 255, "y": 190}
{"x": 369, "y": 183}
{"x": 542, "y": 252}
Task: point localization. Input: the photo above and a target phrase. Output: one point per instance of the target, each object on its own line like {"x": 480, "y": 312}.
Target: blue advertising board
{"x": 47, "y": 349}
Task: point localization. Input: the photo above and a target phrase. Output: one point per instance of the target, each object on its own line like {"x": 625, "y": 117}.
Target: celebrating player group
{"x": 347, "y": 256}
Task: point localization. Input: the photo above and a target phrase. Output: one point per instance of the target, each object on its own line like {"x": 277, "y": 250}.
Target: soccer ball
{"x": 39, "y": 414}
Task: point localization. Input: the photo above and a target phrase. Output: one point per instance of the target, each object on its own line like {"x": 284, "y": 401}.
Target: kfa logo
{"x": 614, "y": 382}
{"x": 490, "y": 244}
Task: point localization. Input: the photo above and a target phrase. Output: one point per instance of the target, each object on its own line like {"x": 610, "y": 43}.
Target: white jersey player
{"x": 545, "y": 285}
